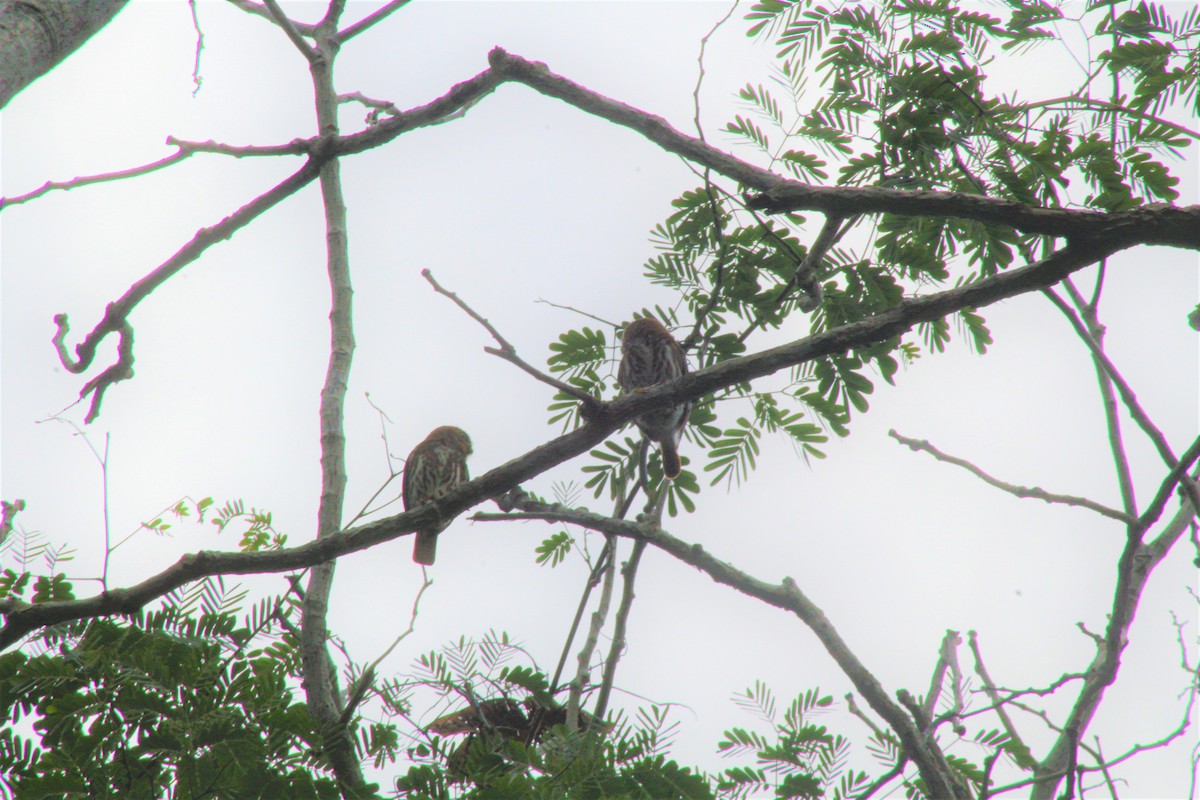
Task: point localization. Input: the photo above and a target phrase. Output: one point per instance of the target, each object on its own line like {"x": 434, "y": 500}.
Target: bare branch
{"x": 1134, "y": 568}
{"x": 321, "y": 152}
{"x": 1108, "y": 399}
{"x": 581, "y": 313}
{"x": 366, "y": 22}
{"x": 918, "y": 445}
{"x": 616, "y": 648}
{"x": 700, "y": 68}
{"x": 599, "y": 616}
{"x": 1127, "y": 396}
{"x": 357, "y": 691}
{"x": 509, "y": 353}
{"x": 1160, "y": 224}
{"x": 259, "y": 10}
{"x": 592, "y": 582}
{"x": 133, "y": 172}
{"x": 115, "y": 318}
{"x": 196, "y": 80}
{"x": 787, "y": 596}
{"x": 289, "y": 27}
{"x": 296, "y": 147}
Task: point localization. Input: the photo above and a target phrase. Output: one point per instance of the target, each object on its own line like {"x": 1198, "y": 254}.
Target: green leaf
{"x": 554, "y": 550}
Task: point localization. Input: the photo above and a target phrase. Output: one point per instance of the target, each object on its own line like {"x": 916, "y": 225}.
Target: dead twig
{"x": 919, "y": 445}
{"x": 509, "y": 353}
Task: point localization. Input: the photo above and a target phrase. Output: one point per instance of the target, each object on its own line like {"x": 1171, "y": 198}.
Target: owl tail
{"x": 425, "y": 548}
{"x": 670, "y": 459}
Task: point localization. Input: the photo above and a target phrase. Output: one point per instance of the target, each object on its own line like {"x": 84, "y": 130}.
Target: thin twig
{"x": 377, "y": 106}
{"x": 366, "y": 22}
{"x": 132, "y": 172}
{"x": 1127, "y": 396}
{"x": 507, "y": 352}
{"x": 700, "y": 68}
{"x": 1019, "y": 491}
{"x": 1112, "y": 417}
{"x": 574, "y": 310}
{"x": 358, "y": 690}
{"x": 574, "y": 697}
{"x": 196, "y": 80}
{"x": 592, "y": 582}
{"x": 896, "y": 771}
{"x": 296, "y": 147}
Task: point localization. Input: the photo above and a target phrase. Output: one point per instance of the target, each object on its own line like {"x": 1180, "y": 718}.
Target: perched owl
{"x": 650, "y": 356}
{"x": 434, "y": 467}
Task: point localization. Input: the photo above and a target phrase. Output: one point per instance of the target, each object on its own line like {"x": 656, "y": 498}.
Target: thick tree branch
{"x": 1156, "y": 224}
{"x": 35, "y": 37}
{"x": 609, "y": 417}
{"x": 919, "y": 445}
{"x": 1134, "y": 568}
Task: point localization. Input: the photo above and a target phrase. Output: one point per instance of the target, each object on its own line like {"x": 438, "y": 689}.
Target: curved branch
{"x": 918, "y": 445}
{"x": 88, "y": 180}
{"x": 321, "y": 151}
{"x": 117, "y": 313}
{"x": 509, "y": 353}
{"x": 1151, "y": 224}
{"x": 787, "y": 596}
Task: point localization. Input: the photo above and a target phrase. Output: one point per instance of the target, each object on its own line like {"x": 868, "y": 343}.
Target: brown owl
{"x": 650, "y": 356}
{"x": 434, "y": 467}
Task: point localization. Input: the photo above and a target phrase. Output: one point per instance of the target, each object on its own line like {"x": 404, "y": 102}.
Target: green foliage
{"x": 902, "y": 100}
{"x": 510, "y": 739}
{"x": 794, "y": 757}
{"x": 166, "y": 704}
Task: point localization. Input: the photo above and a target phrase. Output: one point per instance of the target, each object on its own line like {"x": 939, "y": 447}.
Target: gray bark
{"x": 35, "y": 35}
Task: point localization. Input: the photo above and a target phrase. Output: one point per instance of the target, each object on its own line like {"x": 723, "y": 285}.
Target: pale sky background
{"x": 526, "y": 199}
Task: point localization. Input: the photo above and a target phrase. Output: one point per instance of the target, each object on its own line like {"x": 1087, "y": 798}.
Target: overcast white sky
{"x": 527, "y": 199}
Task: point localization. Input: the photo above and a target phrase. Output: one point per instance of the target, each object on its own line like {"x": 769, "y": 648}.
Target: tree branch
{"x": 609, "y": 417}
{"x": 279, "y": 18}
{"x": 366, "y": 22}
{"x": 508, "y": 352}
{"x": 321, "y": 150}
{"x": 786, "y": 595}
{"x": 918, "y": 445}
{"x": 617, "y": 646}
{"x": 88, "y": 180}
{"x": 1159, "y": 224}
{"x": 1134, "y": 568}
